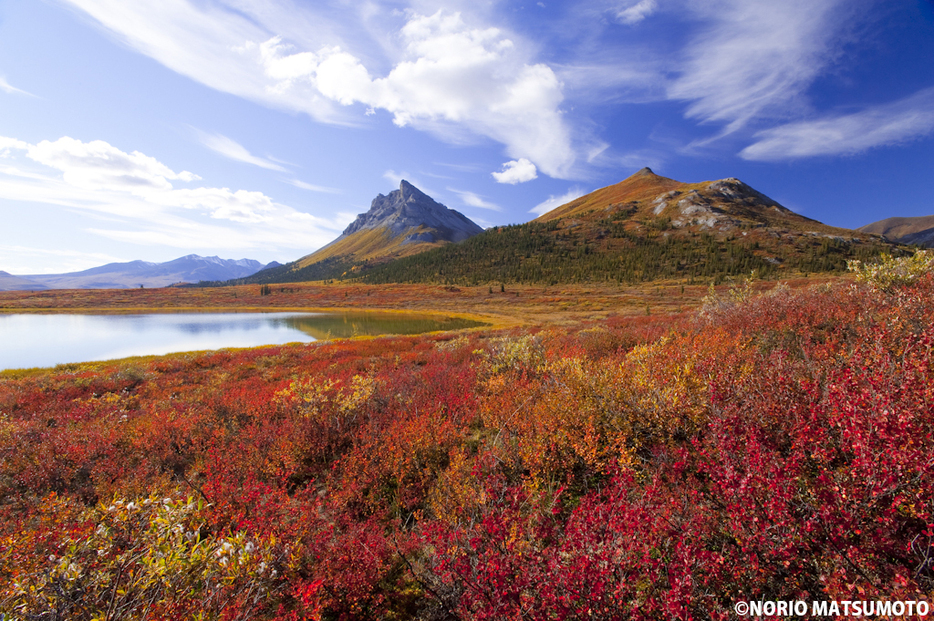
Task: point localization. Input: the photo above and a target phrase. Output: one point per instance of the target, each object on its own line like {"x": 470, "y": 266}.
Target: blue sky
{"x": 260, "y": 128}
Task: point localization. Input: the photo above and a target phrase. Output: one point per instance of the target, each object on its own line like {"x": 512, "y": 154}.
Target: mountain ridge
{"x": 133, "y": 274}
{"x": 721, "y": 204}
{"x": 914, "y": 230}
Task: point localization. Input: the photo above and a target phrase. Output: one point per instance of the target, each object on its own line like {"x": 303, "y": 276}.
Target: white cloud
{"x": 755, "y": 58}
{"x": 313, "y": 188}
{"x": 6, "y": 87}
{"x": 397, "y": 177}
{"x": 211, "y": 43}
{"x": 637, "y": 12}
{"x": 7, "y": 145}
{"x": 516, "y": 171}
{"x": 23, "y": 260}
{"x": 97, "y": 165}
{"x": 135, "y": 193}
{"x": 473, "y": 200}
{"x": 446, "y": 76}
{"x": 847, "y": 134}
{"x": 556, "y": 201}
{"x": 450, "y": 75}
{"x": 233, "y": 150}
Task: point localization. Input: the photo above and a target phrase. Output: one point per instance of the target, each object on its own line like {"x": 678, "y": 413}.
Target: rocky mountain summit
{"x": 409, "y": 210}
{"x": 403, "y": 223}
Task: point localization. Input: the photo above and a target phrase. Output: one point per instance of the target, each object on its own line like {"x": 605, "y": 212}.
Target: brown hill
{"x": 646, "y": 205}
{"x": 918, "y": 230}
{"x": 709, "y": 206}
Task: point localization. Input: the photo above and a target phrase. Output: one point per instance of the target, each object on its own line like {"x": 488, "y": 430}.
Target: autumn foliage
{"x": 775, "y": 446}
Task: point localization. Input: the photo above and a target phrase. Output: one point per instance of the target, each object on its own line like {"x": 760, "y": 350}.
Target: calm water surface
{"x": 29, "y": 340}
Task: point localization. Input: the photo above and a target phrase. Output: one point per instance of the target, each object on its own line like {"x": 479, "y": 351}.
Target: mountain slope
{"x": 133, "y": 274}
{"x": 918, "y": 230}
{"x": 405, "y": 222}
{"x": 713, "y": 206}
{"x": 646, "y": 227}
{"x": 9, "y": 282}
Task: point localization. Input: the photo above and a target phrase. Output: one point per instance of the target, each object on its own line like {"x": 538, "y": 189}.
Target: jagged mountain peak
{"x": 410, "y": 208}
{"x": 405, "y": 221}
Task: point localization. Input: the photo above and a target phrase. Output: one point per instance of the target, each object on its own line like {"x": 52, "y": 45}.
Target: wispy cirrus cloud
{"x": 474, "y": 200}
{"x": 636, "y": 12}
{"x": 312, "y": 187}
{"x": 213, "y": 43}
{"x": 17, "y": 259}
{"x": 754, "y": 59}
{"x": 556, "y": 201}
{"x": 847, "y": 134}
{"x": 8, "y": 88}
{"x": 233, "y": 150}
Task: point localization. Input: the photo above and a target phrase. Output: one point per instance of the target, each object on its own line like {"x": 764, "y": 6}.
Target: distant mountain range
{"x": 915, "y": 231}
{"x": 405, "y": 222}
{"x": 134, "y": 274}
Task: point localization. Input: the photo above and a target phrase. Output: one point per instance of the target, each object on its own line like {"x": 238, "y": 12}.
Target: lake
{"x": 38, "y": 340}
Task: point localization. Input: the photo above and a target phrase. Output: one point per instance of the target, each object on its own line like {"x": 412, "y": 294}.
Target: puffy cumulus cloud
{"x": 99, "y": 165}
{"x": 516, "y": 171}
{"x": 637, "y": 12}
{"x": 847, "y": 134}
{"x": 8, "y": 145}
{"x": 137, "y": 191}
{"x": 451, "y": 75}
{"x": 553, "y": 202}
{"x": 755, "y": 58}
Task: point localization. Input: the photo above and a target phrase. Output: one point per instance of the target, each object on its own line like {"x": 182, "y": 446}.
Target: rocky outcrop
{"x": 409, "y": 208}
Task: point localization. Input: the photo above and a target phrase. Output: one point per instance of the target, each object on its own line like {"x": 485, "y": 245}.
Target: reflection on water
{"x": 47, "y": 340}
{"x": 342, "y": 325}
